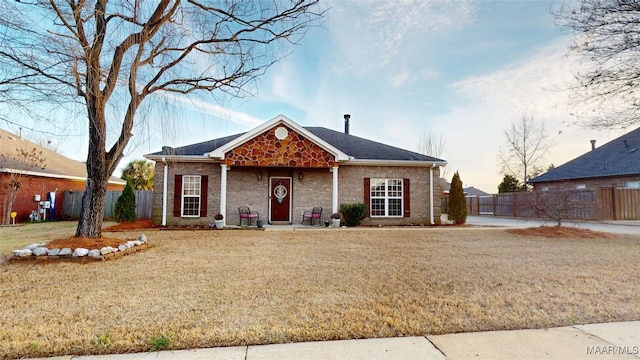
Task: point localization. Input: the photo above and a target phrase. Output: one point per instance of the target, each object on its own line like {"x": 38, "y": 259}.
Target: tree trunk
{"x": 92, "y": 211}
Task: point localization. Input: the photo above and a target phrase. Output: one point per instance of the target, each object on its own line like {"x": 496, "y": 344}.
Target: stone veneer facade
{"x": 266, "y": 149}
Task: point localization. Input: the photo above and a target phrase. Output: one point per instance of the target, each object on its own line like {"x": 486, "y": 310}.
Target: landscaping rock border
{"x": 39, "y": 252}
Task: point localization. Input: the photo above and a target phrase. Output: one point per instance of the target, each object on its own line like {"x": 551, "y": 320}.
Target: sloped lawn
{"x": 222, "y": 288}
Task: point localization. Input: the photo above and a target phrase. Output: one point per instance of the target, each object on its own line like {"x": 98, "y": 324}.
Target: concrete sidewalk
{"x": 619, "y": 340}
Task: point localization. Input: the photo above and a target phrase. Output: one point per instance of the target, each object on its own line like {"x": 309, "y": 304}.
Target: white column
{"x": 164, "y": 192}
{"x": 431, "y": 194}
{"x": 223, "y": 192}
{"x": 334, "y": 199}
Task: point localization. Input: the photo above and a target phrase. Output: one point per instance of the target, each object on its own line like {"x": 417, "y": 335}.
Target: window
{"x": 191, "y": 195}
{"x": 632, "y": 185}
{"x": 386, "y": 197}
{"x": 581, "y": 187}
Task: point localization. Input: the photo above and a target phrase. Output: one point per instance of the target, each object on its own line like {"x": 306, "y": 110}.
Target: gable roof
{"x": 346, "y": 146}
{"x": 618, "y": 157}
{"x": 55, "y": 165}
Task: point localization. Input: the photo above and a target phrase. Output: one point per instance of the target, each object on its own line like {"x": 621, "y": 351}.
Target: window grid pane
{"x": 386, "y": 197}
{"x": 191, "y": 195}
{"x": 377, "y": 207}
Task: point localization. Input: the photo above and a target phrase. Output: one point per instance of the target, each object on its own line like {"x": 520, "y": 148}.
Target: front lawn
{"x": 222, "y": 288}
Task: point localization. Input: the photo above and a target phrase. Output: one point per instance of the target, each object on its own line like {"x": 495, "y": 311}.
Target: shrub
{"x": 457, "y": 202}
{"x": 125, "y": 208}
{"x": 353, "y": 213}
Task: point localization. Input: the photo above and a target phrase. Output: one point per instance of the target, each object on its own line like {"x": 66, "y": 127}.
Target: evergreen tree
{"x": 509, "y": 184}
{"x": 140, "y": 174}
{"x": 457, "y": 201}
{"x": 125, "y": 209}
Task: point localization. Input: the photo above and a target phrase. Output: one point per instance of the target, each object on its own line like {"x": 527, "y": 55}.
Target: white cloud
{"x": 487, "y": 104}
{"x": 218, "y": 111}
{"x": 371, "y": 34}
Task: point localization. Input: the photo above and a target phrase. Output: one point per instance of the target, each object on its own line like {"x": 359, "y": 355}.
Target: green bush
{"x": 457, "y": 202}
{"x": 125, "y": 209}
{"x": 353, "y": 213}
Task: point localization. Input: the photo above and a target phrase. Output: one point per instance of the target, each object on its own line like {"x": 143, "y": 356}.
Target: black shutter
{"x": 407, "y": 197}
{"x": 367, "y": 195}
{"x": 204, "y": 185}
{"x": 177, "y": 196}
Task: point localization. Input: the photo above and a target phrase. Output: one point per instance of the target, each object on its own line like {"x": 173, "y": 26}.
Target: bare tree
{"x": 434, "y": 144}
{"x": 608, "y": 42}
{"x": 116, "y": 54}
{"x": 561, "y": 203}
{"x": 17, "y": 164}
{"x": 526, "y": 144}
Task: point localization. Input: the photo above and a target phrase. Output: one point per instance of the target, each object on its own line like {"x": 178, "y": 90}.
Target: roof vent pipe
{"x": 346, "y": 123}
{"x": 593, "y": 145}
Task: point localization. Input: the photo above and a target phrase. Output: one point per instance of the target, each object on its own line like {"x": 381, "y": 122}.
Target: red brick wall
{"x": 32, "y": 185}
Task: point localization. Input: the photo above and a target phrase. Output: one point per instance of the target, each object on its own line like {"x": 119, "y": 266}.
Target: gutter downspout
{"x": 164, "y": 192}
{"x": 431, "y": 194}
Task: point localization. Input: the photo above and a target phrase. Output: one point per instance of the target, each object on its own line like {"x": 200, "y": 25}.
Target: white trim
{"x": 165, "y": 193}
{"x": 184, "y": 158}
{"x": 223, "y": 192}
{"x": 411, "y": 163}
{"x": 182, "y": 196}
{"x": 387, "y": 197}
{"x": 431, "y": 210}
{"x": 220, "y": 152}
{"x": 56, "y": 176}
{"x": 334, "y": 196}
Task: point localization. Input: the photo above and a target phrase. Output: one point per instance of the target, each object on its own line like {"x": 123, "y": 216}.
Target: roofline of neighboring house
{"x": 222, "y": 150}
{"x": 57, "y": 176}
{"x": 582, "y": 178}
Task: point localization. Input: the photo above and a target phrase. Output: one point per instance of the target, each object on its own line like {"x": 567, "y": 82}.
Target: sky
{"x": 460, "y": 70}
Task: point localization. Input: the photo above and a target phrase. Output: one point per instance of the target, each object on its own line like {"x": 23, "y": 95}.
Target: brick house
{"x": 281, "y": 169}
{"x": 49, "y": 182}
{"x": 606, "y": 179}
{"x": 615, "y": 164}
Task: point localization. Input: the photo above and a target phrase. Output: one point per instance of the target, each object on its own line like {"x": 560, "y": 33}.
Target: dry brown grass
{"x": 223, "y": 288}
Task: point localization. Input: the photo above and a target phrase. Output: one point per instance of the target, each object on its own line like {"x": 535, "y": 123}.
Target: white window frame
{"x": 387, "y": 194}
{"x": 191, "y": 189}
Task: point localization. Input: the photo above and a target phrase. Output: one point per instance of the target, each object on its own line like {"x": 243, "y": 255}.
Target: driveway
{"x": 616, "y": 227}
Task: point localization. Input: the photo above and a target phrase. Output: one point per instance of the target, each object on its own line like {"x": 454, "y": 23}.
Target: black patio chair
{"x": 314, "y": 215}
{"x": 247, "y": 215}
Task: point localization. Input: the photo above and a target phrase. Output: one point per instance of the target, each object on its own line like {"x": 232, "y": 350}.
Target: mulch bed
{"x": 562, "y": 232}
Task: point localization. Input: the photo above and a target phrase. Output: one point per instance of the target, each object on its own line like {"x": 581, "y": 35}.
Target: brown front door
{"x": 280, "y": 199}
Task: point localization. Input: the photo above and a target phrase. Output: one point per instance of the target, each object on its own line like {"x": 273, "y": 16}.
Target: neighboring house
{"x": 48, "y": 182}
{"x": 615, "y": 164}
{"x": 281, "y": 169}
{"x": 607, "y": 179}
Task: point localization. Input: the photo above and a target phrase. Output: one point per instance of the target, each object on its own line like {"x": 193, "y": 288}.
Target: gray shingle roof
{"x": 354, "y": 146}
{"x": 615, "y": 158}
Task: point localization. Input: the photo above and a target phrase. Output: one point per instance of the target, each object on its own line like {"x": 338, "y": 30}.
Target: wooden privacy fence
{"x": 599, "y": 204}
{"x": 72, "y": 202}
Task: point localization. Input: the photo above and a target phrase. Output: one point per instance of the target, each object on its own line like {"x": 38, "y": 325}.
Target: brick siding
{"x": 314, "y": 188}
{"x": 32, "y": 185}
